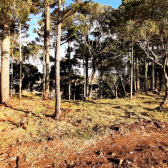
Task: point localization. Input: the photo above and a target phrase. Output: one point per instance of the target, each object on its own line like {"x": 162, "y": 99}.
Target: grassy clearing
{"x": 30, "y": 119}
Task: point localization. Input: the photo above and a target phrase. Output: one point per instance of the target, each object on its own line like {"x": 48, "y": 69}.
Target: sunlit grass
{"x": 30, "y": 119}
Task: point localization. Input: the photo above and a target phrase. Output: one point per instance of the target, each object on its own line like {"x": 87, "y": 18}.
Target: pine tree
{"x": 9, "y": 11}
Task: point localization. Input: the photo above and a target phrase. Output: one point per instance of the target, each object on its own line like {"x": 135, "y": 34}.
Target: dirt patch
{"x": 140, "y": 144}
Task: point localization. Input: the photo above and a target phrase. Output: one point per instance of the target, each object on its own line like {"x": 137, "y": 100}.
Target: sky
{"x": 113, "y": 3}
{"x": 33, "y": 22}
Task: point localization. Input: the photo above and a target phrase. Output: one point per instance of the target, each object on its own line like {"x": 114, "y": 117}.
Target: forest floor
{"x": 95, "y": 133}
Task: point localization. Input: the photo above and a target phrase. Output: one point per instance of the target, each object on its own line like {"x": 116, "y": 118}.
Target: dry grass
{"x": 30, "y": 119}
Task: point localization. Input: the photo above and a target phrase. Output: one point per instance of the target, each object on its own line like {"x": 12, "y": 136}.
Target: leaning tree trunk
{"x": 5, "y": 64}
{"x": 91, "y": 81}
{"x": 163, "y": 104}
{"x": 122, "y": 82}
{"x": 92, "y": 76}
{"x": 47, "y": 20}
{"x": 116, "y": 90}
{"x": 57, "y": 71}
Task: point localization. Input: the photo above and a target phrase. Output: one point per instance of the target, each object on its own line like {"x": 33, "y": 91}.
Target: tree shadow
{"x": 149, "y": 109}
{"x": 38, "y": 94}
{"x": 145, "y": 114}
{"x": 10, "y": 121}
{"x": 27, "y": 112}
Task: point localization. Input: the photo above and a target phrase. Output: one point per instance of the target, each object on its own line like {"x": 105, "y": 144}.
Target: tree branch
{"x": 151, "y": 58}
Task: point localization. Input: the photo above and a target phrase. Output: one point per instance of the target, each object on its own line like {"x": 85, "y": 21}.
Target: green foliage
{"x": 19, "y": 9}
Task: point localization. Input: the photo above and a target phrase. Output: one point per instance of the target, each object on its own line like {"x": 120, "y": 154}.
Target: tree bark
{"x": 134, "y": 74}
{"x": 57, "y": 71}
{"x": 44, "y": 71}
{"x": 160, "y": 80}
{"x": 163, "y": 104}
{"x": 91, "y": 81}
{"x": 86, "y": 66}
{"x": 101, "y": 92}
{"x": 122, "y": 82}
{"x": 116, "y": 90}
{"x": 137, "y": 75}
{"x": 156, "y": 77}
{"x": 0, "y": 70}
{"x": 74, "y": 90}
{"x": 47, "y": 20}
{"x": 20, "y": 53}
{"x": 5, "y": 64}
{"x": 11, "y": 79}
{"x": 146, "y": 75}
{"x": 131, "y": 85}
{"x": 153, "y": 76}
{"x": 69, "y": 68}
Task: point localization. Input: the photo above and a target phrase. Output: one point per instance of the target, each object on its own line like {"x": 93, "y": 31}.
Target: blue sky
{"x": 33, "y": 22}
{"x": 113, "y": 3}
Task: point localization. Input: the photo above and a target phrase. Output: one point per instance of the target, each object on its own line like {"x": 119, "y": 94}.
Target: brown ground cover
{"x": 97, "y": 133}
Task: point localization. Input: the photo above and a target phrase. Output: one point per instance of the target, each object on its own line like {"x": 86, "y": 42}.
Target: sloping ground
{"x": 140, "y": 144}
{"x": 95, "y": 133}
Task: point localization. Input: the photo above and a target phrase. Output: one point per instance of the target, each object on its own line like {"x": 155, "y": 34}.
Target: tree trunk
{"x": 101, "y": 79}
{"x": 44, "y": 62}
{"x": 91, "y": 81}
{"x": 84, "y": 83}
{"x": 28, "y": 87}
{"x": 11, "y": 80}
{"x": 137, "y": 75}
{"x": 146, "y": 75}
{"x": 44, "y": 71}
{"x": 123, "y": 85}
{"x": 153, "y": 76}
{"x": 134, "y": 74}
{"x": 69, "y": 68}
{"x": 87, "y": 68}
{"x": 116, "y": 91}
{"x": 87, "y": 76}
{"x": 20, "y": 53}
{"x": 74, "y": 90}
{"x": 47, "y": 20}
{"x": 131, "y": 85}
{"x": 160, "y": 80}
{"x": 0, "y": 70}
{"x": 163, "y": 104}
{"x": 57, "y": 71}
{"x": 101, "y": 92}
{"x": 5, "y": 64}
{"x": 156, "y": 77}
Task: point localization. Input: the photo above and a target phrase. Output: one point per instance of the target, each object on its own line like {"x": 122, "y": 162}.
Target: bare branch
{"x": 151, "y": 58}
